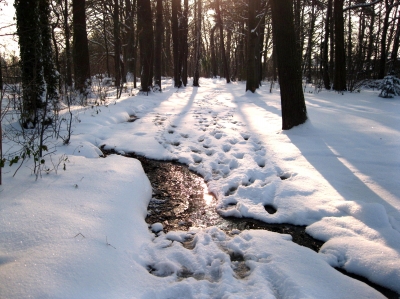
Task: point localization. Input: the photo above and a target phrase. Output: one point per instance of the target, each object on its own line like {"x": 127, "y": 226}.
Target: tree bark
{"x": 294, "y": 110}
{"x": 325, "y": 67}
{"x": 117, "y": 47}
{"x": 339, "y": 83}
{"x": 175, "y": 40}
{"x": 184, "y": 46}
{"x": 252, "y": 82}
{"x": 130, "y": 38}
{"x": 146, "y": 44}
{"x": 158, "y": 45}
{"x": 196, "y": 76}
{"x": 213, "y": 55}
{"x": 68, "y": 62}
{"x": 80, "y": 47}
{"x": 395, "y": 49}
{"x": 222, "y": 42}
{"x": 382, "y": 61}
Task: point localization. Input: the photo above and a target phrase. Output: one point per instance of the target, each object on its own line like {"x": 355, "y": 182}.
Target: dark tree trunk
{"x": 275, "y": 63}
{"x": 370, "y": 48}
{"x": 241, "y": 53}
{"x": 158, "y": 45}
{"x": 30, "y": 62}
{"x": 176, "y": 4}
{"x": 117, "y": 47}
{"x": 294, "y": 110}
{"x": 382, "y": 61}
{"x": 196, "y": 76}
{"x": 184, "y": 45}
{"x": 310, "y": 45}
{"x": 222, "y": 42}
{"x": 325, "y": 67}
{"x": 213, "y": 55}
{"x": 395, "y": 49}
{"x": 349, "y": 56}
{"x": 297, "y": 26}
{"x": 68, "y": 78}
{"x": 130, "y": 38}
{"x": 106, "y": 40}
{"x": 339, "y": 83}
{"x": 146, "y": 44}
{"x": 135, "y": 42}
{"x": 80, "y": 47}
{"x": 252, "y": 82}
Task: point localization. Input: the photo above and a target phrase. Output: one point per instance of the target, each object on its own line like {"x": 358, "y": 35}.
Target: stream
{"x": 181, "y": 200}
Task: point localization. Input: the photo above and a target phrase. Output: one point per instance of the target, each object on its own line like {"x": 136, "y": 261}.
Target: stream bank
{"x": 180, "y": 200}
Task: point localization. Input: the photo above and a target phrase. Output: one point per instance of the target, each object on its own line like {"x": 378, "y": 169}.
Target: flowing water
{"x": 181, "y": 200}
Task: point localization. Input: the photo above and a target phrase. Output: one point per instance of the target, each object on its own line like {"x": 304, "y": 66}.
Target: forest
{"x": 200, "y": 149}
{"x": 70, "y": 51}
{"x": 339, "y": 43}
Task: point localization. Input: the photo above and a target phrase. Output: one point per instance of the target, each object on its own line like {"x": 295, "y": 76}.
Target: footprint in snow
{"x": 245, "y": 136}
{"x": 226, "y": 148}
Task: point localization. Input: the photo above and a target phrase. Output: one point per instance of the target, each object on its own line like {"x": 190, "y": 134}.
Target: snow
{"x": 80, "y": 233}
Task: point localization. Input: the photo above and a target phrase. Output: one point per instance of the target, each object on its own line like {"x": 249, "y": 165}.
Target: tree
{"x": 146, "y": 43}
{"x": 175, "y": 10}
{"x": 39, "y": 79}
{"x": 117, "y": 47}
{"x": 252, "y": 82}
{"x": 222, "y": 42}
{"x": 382, "y": 61}
{"x": 184, "y": 41}
{"x": 325, "y": 67}
{"x": 339, "y": 83}
{"x": 198, "y": 45}
{"x": 129, "y": 39}
{"x": 158, "y": 45}
{"x": 294, "y": 110}
{"x": 68, "y": 79}
{"x": 80, "y": 51}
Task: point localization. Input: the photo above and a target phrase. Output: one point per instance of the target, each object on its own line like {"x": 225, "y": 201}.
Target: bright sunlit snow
{"x": 80, "y": 233}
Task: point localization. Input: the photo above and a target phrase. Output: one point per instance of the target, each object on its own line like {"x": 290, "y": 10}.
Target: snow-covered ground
{"x": 80, "y": 233}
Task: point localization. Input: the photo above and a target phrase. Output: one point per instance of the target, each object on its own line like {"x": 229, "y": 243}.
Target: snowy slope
{"x": 81, "y": 233}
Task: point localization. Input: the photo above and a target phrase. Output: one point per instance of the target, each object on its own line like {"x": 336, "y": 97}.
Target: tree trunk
{"x": 370, "y": 48}
{"x": 68, "y": 62}
{"x": 196, "y": 76}
{"x": 146, "y": 44}
{"x": 325, "y": 67}
{"x": 349, "y": 41}
{"x": 222, "y": 43}
{"x": 80, "y": 47}
{"x": 158, "y": 45}
{"x": 294, "y": 110}
{"x": 175, "y": 40}
{"x": 395, "y": 49}
{"x": 184, "y": 46}
{"x": 382, "y": 61}
{"x": 30, "y": 61}
{"x": 339, "y": 83}
{"x": 130, "y": 38}
{"x": 213, "y": 55}
{"x": 252, "y": 82}
{"x": 117, "y": 47}
{"x": 310, "y": 44}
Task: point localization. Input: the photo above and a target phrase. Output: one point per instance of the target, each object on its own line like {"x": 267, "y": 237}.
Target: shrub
{"x": 390, "y": 87}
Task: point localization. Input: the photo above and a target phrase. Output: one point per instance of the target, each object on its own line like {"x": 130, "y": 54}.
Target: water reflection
{"x": 208, "y": 198}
